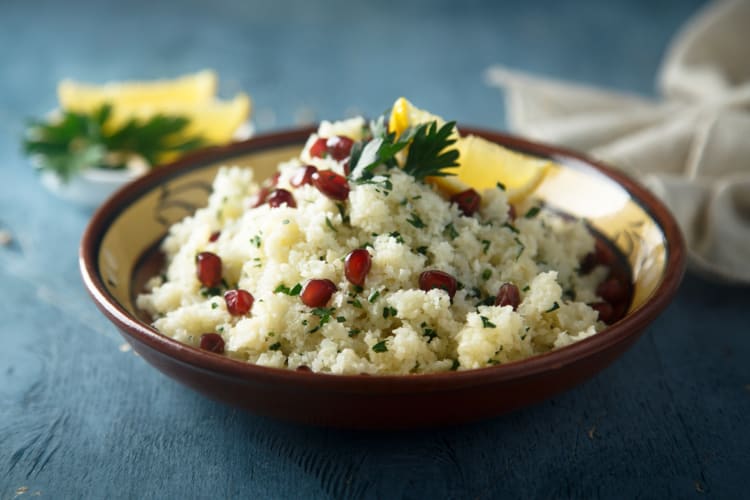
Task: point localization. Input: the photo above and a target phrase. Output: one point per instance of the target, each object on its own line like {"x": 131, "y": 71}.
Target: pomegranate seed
{"x": 508, "y": 295}
{"x": 208, "y": 269}
{"x": 259, "y": 198}
{"x": 239, "y": 302}
{"x": 280, "y": 197}
{"x": 317, "y": 292}
{"x": 612, "y": 290}
{"x": 339, "y": 147}
{"x": 331, "y": 184}
{"x": 212, "y": 342}
{"x": 303, "y": 176}
{"x": 357, "y": 265}
{"x": 438, "y": 279}
{"x": 347, "y": 168}
{"x": 606, "y": 313}
{"x": 318, "y": 148}
{"x": 467, "y": 201}
{"x": 511, "y": 212}
{"x": 214, "y": 236}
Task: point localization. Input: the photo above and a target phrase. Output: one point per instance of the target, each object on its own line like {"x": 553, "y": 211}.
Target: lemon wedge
{"x": 189, "y": 89}
{"x": 191, "y": 96}
{"x": 482, "y": 163}
{"x": 404, "y": 114}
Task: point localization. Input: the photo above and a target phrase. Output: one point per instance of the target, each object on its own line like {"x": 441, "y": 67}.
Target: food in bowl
{"x": 350, "y": 260}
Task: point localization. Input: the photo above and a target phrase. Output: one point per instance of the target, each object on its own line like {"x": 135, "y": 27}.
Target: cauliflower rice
{"x": 390, "y": 325}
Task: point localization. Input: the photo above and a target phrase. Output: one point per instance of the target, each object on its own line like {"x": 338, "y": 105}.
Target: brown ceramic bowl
{"x": 126, "y": 229}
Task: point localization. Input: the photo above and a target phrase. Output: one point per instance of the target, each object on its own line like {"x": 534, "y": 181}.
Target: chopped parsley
{"x": 554, "y": 307}
{"x": 521, "y": 247}
{"x": 210, "y": 291}
{"x": 355, "y": 302}
{"x": 451, "y": 231}
{"x": 485, "y": 246}
{"x": 532, "y": 212}
{"x": 255, "y": 240}
{"x": 373, "y": 296}
{"x": 486, "y": 274}
{"x": 275, "y": 346}
{"x": 292, "y": 292}
{"x": 422, "y": 250}
{"x": 416, "y": 221}
{"x": 397, "y": 235}
{"x": 486, "y": 323}
{"x": 330, "y": 225}
{"x": 500, "y": 186}
{"x": 214, "y": 305}
{"x": 511, "y": 227}
{"x": 380, "y": 347}
{"x": 389, "y": 311}
{"x": 429, "y": 333}
{"x": 354, "y": 331}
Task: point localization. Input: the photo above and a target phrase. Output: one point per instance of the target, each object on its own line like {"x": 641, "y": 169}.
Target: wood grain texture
{"x": 82, "y": 418}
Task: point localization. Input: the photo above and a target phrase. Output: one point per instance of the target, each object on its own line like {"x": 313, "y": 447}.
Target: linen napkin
{"x": 691, "y": 148}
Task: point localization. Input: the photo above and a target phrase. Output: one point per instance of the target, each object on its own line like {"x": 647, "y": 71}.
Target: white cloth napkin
{"x": 692, "y": 148}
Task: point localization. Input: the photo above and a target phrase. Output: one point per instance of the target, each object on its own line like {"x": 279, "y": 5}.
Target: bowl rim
{"x": 623, "y": 331}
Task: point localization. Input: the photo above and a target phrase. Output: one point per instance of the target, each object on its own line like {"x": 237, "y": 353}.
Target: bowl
{"x": 118, "y": 245}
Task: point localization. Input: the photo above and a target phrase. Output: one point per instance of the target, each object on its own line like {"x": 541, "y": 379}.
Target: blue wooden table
{"x": 82, "y": 417}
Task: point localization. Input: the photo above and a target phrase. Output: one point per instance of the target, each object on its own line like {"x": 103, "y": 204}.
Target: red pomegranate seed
{"x": 339, "y": 147}
{"x": 467, "y": 201}
{"x": 303, "y": 176}
{"x": 259, "y": 198}
{"x": 357, "y": 265}
{"x": 318, "y": 148}
{"x": 280, "y": 197}
{"x": 511, "y": 212}
{"x": 317, "y": 292}
{"x": 508, "y": 295}
{"x": 208, "y": 267}
{"x": 606, "y": 313}
{"x": 212, "y": 342}
{"x": 438, "y": 279}
{"x": 331, "y": 184}
{"x": 214, "y": 236}
{"x": 239, "y": 302}
{"x": 612, "y": 290}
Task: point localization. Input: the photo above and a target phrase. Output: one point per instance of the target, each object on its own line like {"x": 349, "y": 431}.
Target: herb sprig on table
{"x": 428, "y": 155}
{"x": 77, "y": 141}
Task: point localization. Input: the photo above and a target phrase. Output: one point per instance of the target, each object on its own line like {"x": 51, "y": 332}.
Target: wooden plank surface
{"x": 81, "y": 416}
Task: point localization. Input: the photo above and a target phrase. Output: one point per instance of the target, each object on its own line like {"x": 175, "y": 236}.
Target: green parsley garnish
{"x": 373, "y": 296}
{"x": 255, "y": 240}
{"x": 511, "y": 227}
{"x": 554, "y": 307}
{"x": 77, "y": 141}
{"x": 389, "y": 311}
{"x": 330, "y": 225}
{"x": 486, "y": 323}
{"x": 292, "y": 292}
{"x": 452, "y": 233}
{"x": 429, "y": 150}
{"x": 486, "y": 274}
{"x": 380, "y": 347}
{"x": 485, "y": 246}
{"x": 532, "y": 212}
{"x": 275, "y": 346}
{"x": 416, "y": 221}
{"x": 500, "y": 186}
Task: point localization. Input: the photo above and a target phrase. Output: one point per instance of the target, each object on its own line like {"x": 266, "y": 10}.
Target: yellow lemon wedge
{"x": 215, "y": 121}
{"x": 404, "y": 115}
{"x": 482, "y": 164}
{"x": 191, "y": 96}
{"x": 189, "y": 89}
